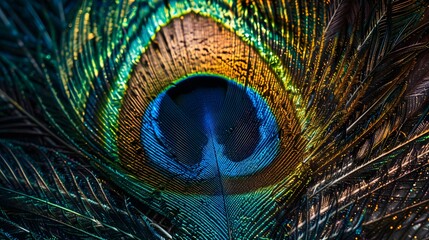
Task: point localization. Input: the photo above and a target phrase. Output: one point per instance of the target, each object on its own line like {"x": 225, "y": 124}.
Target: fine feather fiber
{"x": 136, "y": 119}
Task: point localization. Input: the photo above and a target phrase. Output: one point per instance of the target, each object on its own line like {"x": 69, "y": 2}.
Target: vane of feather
{"x": 105, "y": 44}
{"x": 17, "y": 124}
{"x": 376, "y": 185}
{"x": 344, "y": 77}
{"x": 363, "y": 201}
{"x": 39, "y": 194}
{"x": 46, "y": 194}
{"x": 29, "y": 60}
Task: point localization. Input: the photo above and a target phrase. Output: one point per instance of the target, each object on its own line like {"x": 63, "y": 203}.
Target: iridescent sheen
{"x": 233, "y": 119}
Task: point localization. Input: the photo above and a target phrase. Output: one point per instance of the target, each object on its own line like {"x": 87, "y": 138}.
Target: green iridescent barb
{"x": 214, "y": 119}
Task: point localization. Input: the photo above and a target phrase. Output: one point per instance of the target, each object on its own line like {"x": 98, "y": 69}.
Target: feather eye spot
{"x": 207, "y": 124}
{"x": 202, "y": 117}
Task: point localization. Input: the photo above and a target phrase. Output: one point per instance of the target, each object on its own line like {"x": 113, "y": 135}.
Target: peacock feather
{"x": 235, "y": 119}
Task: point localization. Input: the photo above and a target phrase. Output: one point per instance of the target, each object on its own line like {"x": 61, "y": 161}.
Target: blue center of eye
{"x": 205, "y": 125}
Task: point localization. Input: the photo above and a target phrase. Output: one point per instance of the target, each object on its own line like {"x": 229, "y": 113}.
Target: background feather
{"x": 45, "y": 194}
